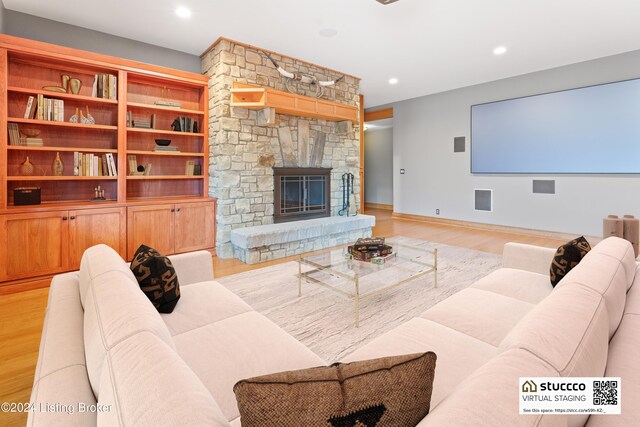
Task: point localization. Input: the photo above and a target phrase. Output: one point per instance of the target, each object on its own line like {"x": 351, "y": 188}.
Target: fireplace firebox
{"x": 301, "y": 193}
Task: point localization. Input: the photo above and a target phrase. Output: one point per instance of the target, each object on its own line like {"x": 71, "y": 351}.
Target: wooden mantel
{"x": 258, "y": 98}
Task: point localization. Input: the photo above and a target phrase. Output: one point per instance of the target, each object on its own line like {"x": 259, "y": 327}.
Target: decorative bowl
{"x": 163, "y": 142}
{"x": 30, "y": 133}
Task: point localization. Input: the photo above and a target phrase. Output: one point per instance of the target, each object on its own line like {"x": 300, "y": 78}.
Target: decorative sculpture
{"x": 303, "y": 78}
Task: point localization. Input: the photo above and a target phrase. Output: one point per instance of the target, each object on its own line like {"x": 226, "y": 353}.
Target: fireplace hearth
{"x": 301, "y": 193}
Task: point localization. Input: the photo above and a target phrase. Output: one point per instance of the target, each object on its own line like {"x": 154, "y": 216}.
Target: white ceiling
{"x": 429, "y": 45}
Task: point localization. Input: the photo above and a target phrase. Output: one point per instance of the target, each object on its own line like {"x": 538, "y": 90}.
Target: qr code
{"x": 605, "y": 392}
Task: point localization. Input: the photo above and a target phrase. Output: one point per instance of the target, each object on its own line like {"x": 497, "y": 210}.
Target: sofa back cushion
{"x": 98, "y": 260}
{"x": 145, "y": 383}
{"x": 621, "y": 250}
{"x": 569, "y": 330}
{"x": 115, "y": 309}
{"x": 606, "y": 276}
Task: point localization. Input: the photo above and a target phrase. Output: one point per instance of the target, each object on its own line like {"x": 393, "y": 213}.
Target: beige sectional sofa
{"x": 103, "y": 342}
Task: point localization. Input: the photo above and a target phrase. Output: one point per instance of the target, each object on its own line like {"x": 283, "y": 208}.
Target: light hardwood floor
{"x": 22, "y": 314}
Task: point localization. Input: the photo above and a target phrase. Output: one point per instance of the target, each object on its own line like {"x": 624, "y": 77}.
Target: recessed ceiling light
{"x": 500, "y": 50}
{"x": 393, "y": 81}
{"x": 328, "y": 32}
{"x": 183, "y": 12}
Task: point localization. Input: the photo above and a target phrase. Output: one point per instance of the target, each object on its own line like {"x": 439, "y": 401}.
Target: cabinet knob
{"x": 64, "y": 218}
{"x": 173, "y": 210}
{"x": 72, "y": 217}
{"x": 178, "y": 210}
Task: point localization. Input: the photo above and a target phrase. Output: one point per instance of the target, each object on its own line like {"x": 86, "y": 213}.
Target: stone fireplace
{"x": 245, "y": 153}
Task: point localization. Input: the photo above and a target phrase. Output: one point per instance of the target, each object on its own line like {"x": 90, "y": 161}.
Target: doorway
{"x": 378, "y": 159}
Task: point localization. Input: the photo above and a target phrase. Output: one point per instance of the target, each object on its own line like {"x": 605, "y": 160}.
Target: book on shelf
{"x": 48, "y": 109}
{"x": 32, "y": 142}
{"x": 27, "y": 110}
{"x": 167, "y": 148}
{"x": 76, "y": 170}
{"x": 153, "y": 121}
{"x": 111, "y": 165}
{"x": 14, "y": 134}
{"x": 88, "y": 164}
{"x": 168, "y": 103}
{"x": 187, "y": 124}
{"x": 105, "y": 86}
{"x": 189, "y": 168}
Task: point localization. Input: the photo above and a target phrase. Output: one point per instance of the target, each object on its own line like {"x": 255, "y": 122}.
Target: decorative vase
{"x": 26, "y": 168}
{"x": 57, "y": 166}
{"x": 75, "y": 85}
{"x": 65, "y": 82}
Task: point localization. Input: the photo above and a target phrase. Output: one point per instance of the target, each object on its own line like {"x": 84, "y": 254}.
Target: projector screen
{"x": 591, "y": 130}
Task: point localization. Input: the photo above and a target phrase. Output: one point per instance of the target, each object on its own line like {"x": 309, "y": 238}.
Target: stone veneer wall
{"x": 242, "y": 153}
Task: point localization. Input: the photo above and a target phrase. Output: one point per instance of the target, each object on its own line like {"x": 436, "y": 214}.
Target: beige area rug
{"x": 324, "y": 320}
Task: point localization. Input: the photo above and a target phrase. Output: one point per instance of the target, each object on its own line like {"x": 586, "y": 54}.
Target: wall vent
{"x": 544, "y": 186}
{"x": 458, "y": 144}
{"x": 483, "y": 200}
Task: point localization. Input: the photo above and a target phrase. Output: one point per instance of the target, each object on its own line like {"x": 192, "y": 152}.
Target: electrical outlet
{"x": 401, "y": 171}
{"x": 437, "y": 211}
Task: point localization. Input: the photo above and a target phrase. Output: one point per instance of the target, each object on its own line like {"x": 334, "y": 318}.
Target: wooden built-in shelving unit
{"x": 258, "y": 98}
{"x": 167, "y": 208}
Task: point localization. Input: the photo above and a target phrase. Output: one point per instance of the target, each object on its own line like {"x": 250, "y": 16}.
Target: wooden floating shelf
{"x": 62, "y": 95}
{"x": 66, "y": 149}
{"x": 258, "y": 98}
{"x": 163, "y": 108}
{"x": 165, "y": 153}
{"x": 163, "y": 132}
{"x": 61, "y": 178}
{"x": 143, "y": 177}
{"x": 61, "y": 124}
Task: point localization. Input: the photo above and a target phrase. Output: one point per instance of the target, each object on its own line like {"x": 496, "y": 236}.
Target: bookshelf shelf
{"x": 156, "y": 177}
{"x": 61, "y": 95}
{"x": 163, "y": 132}
{"x": 61, "y": 149}
{"x": 67, "y": 221}
{"x": 164, "y": 108}
{"x": 62, "y": 178}
{"x": 61, "y": 124}
{"x": 165, "y": 153}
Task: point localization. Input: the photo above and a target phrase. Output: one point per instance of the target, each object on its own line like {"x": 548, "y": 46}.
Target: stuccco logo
{"x": 529, "y": 387}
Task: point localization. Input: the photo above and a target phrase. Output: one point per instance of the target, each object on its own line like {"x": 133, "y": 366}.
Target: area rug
{"x": 324, "y": 320}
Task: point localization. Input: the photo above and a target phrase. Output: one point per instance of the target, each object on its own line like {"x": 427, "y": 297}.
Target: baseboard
{"x": 381, "y": 206}
{"x": 16, "y": 286}
{"x": 493, "y": 227}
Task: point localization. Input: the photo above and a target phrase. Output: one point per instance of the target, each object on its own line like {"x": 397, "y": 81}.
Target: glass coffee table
{"x": 358, "y": 280}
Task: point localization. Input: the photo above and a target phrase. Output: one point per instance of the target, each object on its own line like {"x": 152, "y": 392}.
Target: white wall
{"x": 438, "y": 178}
{"x": 41, "y": 29}
{"x": 378, "y": 170}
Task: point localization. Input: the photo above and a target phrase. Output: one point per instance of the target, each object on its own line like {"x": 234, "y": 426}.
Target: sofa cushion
{"x": 241, "y": 346}
{"x": 98, "y": 260}
{"x": 623, "y": 362}
{"x": 481, "y": 314}
{"x": 202, "y": 304}
{"x": 489, "y": 396}
{"x": 621, "y": 250}
{"x": 145, "y": 383}
{"x": 157, "y": 278}
{"x": 569, "y": 330}
{"x": 605, "y": 275}
{"x": 458, "y": 354}
{"x": 388, "y": 391}
{"x": 632, "y": 305}
{"x": 519, "y": 284}
{"x": 567, "y": 257}
{"x": 116, "y": 309}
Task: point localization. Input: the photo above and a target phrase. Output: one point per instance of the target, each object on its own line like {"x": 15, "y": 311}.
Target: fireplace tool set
{"x": 347, "y": 193}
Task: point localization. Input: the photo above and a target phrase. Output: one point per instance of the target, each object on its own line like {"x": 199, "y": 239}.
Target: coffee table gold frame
{"x": 355, "y": 278}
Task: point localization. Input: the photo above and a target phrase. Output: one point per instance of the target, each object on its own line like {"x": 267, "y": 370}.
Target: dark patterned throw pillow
{"x": 157, "y": 278}
{"x": 391, "y": 391}
{"x": 568, "y": 256}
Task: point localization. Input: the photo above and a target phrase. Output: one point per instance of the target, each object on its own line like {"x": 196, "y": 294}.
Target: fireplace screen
{"x": 301, "y": 193}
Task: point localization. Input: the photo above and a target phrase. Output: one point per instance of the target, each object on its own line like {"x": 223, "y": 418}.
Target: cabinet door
{"x": 34, "y": 244}
{"x": 89, "y": 227}
{"x": 152, "y": 226}
{"x": 195, "y": 226}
